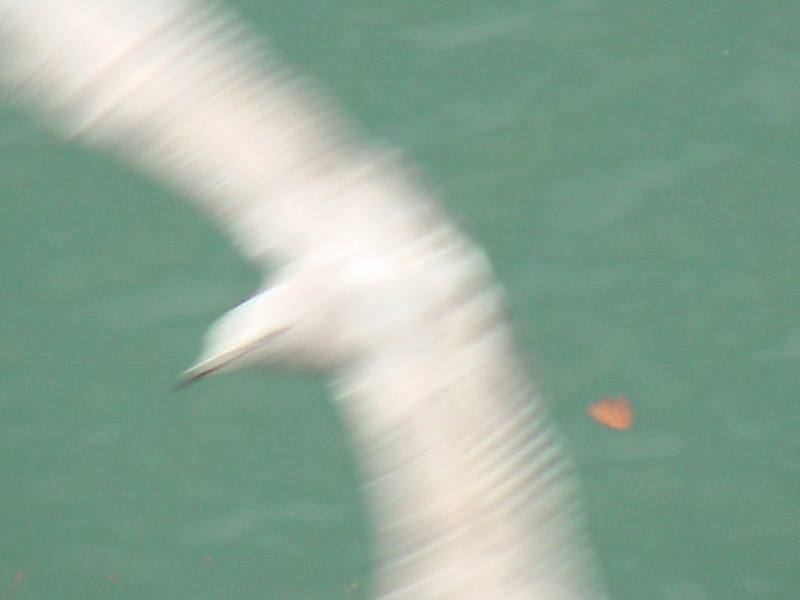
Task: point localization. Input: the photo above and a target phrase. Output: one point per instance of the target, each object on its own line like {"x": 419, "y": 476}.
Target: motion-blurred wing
{"x": 183, "y": 91}
{"x": 470, "y": 493}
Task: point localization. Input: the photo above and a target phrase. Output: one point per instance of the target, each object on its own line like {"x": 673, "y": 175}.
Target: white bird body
{"x": 469, "y": 492}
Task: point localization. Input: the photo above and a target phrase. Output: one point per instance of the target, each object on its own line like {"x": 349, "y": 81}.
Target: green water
{"x": 631, "y": 167}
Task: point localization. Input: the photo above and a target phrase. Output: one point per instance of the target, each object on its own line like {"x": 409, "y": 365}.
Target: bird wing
{"x": 183, "y": 91}
{"x": 470, "y": 492}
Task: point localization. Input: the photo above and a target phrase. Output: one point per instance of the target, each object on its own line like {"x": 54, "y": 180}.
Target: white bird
{"x": 469, "y": 492}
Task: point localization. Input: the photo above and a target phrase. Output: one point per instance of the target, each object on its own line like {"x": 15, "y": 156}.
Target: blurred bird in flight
{"x": 365, "y": 278}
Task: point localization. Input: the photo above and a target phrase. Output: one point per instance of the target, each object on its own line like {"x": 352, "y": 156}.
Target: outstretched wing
{"x": 470, "y": 492}
{"x": 180, "y": 89}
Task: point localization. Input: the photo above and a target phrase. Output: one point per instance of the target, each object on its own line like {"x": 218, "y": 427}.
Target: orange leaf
{"x": 614, "y": 413}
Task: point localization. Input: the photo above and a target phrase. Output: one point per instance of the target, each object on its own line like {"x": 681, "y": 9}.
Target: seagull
{"x": 469, "y": 491}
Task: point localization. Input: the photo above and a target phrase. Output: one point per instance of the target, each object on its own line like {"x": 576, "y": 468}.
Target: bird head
{"x": 281, "y": 324}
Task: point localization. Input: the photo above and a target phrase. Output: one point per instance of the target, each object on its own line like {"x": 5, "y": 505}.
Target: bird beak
{"x": 195, "y": 372}
{"x": 209, "y": 365}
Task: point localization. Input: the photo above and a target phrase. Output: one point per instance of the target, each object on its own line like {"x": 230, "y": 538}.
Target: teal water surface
{"x": 631, "y": 168}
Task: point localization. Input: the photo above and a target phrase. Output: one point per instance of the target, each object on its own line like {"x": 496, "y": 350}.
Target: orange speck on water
{"x": 614, "y": 413}
{"x": 16, "y": 583}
